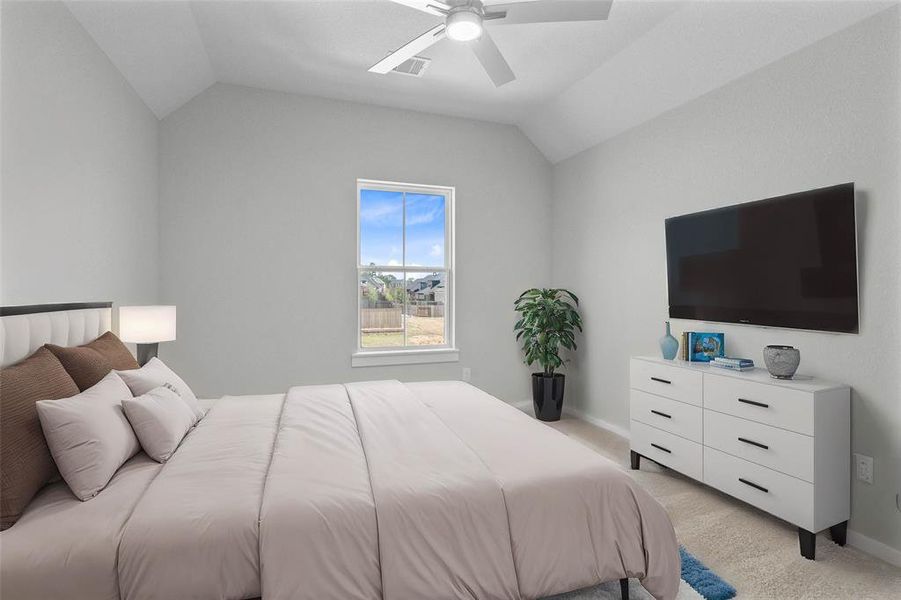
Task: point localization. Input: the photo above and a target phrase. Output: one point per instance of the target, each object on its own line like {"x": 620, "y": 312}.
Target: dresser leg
{"x": 635, "y": 458}
{"x": 624, "y": 588}
{"x": 808, "y": 541}
{"x": 839, "y": 533}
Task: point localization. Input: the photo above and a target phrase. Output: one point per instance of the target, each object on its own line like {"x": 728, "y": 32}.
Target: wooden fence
{"x": 381, "y": 319}
{"x": 425, "y": 310}
{"x": 373, "y": 320}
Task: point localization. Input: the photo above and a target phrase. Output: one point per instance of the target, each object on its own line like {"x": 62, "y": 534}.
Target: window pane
{"x": 381, "y": 309}
{"x": 425, "y": 230}
{"x": 424, "y": 312}
{"x": 381, "y": 227}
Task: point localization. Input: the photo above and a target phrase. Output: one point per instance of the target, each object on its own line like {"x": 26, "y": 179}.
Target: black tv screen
{"x": 789, "y": 261}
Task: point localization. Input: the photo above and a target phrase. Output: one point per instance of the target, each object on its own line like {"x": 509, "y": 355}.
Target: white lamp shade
{"x": 146, "y": 324}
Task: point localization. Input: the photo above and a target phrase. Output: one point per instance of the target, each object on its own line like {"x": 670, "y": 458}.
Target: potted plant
{"x": 548, "y": 322}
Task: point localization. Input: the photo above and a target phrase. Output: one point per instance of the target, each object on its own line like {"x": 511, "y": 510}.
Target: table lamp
{"x": 146, "y": 326}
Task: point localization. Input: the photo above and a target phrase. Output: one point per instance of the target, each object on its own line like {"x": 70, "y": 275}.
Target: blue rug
{"x": 703, "y": 580}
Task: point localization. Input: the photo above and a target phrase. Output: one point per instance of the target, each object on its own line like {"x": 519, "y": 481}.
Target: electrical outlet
{"x": 467, "y": 374}
{"x": 864, "y": 467}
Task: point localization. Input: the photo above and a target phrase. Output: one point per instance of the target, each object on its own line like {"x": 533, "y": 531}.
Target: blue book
{"x": 722, "y": 365}
{"x": 733, "y": 361}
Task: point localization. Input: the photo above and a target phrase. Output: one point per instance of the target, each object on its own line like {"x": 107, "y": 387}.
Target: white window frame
{"x": 447, "y": 352}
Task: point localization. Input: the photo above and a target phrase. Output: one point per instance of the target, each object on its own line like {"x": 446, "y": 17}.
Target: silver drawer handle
{"x": 753, "y": 443}
{"x": 662, "y": 448}
{"x": 754, "y": 485}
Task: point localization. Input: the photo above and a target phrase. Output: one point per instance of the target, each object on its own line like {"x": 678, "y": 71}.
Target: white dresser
{"x": 782, "y": 446}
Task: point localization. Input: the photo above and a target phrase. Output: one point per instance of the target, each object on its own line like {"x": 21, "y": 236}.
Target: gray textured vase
{"x": 781, "y": 361}
{"x": 669, "y": 345}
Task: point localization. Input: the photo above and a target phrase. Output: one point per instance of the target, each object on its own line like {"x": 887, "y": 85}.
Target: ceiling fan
{"x": 464, "y": 21}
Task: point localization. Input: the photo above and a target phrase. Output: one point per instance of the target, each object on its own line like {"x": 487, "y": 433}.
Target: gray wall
{"x": 79, "y": 190}
{"x": 825, "y": 115}
{"x": 258, "y": 239}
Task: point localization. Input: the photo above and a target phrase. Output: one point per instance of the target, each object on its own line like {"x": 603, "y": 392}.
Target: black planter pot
{"x": 547, "y": 396}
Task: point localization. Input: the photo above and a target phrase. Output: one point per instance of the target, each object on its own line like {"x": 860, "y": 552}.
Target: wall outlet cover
{"x": 467, "y": 374}
{"x": 863, "y": 466}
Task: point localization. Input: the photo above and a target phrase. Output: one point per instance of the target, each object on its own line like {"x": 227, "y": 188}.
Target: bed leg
{"x": 635, "y": 459}
{"x": 624, "y": 588}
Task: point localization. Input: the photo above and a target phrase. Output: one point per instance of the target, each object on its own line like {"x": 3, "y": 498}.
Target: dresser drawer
{"x": 670, "y": 415}
{"x": 785, "y": 451}
{"x": 665, "y": 380}
{"x": 667, "y": 449}
{"x": 778, "y": 406}
{"x": 779, "y": 494}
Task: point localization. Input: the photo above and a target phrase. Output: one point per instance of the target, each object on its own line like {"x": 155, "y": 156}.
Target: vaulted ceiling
{"x": 577, "y": 83}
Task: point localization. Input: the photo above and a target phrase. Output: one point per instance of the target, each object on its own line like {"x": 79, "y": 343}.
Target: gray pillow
{"x": 155, "y": 374}
{"x": 88, "y": 435}
{"x": 160, "y": 419}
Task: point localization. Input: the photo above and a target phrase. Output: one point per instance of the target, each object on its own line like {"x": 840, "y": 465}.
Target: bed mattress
{"x": 376, "y": 491}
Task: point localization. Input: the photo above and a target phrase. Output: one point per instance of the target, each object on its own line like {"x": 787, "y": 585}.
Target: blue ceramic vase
{"x": 669, "y": 345}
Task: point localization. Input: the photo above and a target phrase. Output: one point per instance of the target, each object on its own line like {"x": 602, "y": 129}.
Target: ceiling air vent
{"x": 414, "y": 67}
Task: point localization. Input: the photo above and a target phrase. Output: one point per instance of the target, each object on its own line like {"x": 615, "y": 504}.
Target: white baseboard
{"x": 620, "y": 431}
{"x": 874, "y": 547}
{"x": 526, "y": 406}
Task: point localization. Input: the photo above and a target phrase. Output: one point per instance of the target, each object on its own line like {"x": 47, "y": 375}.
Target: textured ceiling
{"x": 577, "y": 83}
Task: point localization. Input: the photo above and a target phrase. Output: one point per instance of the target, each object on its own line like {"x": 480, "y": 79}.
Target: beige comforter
{"x": 380, "y": 491}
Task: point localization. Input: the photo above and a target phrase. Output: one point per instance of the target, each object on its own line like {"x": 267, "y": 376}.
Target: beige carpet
{"x": 755, "y": 552}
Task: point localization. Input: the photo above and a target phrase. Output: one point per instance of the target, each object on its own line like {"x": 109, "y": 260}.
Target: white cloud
{"x": 436, "y": 250}
{"x": 421, "y": 218}
{"x": 380, "y": 212}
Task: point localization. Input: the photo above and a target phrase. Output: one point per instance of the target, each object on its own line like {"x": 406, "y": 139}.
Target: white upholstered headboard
{"x": 24, "y": 329}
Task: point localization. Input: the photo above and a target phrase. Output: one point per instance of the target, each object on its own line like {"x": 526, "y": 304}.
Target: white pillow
{"x": 155, "y": 374}
{"x": 88, "y": 435}
{"x": 161, "y": 419}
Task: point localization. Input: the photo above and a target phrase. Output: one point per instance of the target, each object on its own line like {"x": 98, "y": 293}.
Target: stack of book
{"x": 734, "y": 364}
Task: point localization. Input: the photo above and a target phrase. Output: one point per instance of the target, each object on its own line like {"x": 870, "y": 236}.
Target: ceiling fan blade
{"x": 550, "y": 11}
{"x": 433, "y": 7}
{"x": 409, "y": 50}
{"x": 492, "y": 60}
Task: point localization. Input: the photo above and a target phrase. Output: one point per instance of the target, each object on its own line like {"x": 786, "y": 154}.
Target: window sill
{"x": 384, "y": 358}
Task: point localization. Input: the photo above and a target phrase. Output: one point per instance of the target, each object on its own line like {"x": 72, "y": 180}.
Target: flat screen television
{"x": 789, "y": 261}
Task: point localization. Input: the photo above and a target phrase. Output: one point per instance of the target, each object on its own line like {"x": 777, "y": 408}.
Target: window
{"x": 404, "y": 274}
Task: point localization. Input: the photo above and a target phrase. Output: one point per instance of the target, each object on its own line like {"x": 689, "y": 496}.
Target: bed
{"x": 373, "y": 490}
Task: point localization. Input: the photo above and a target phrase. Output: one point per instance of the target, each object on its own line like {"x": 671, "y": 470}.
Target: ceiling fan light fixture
{"x": 463, "y": 26}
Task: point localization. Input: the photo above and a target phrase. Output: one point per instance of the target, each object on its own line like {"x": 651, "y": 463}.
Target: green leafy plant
{"x": 549, "y": 320}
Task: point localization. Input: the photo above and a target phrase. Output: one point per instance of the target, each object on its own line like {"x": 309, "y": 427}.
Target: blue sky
{"x": 381, "y": 228}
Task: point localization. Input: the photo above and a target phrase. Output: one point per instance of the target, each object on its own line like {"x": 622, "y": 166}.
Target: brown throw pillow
{"x": 25, "y": 461}
{"x": 90, "y": 363}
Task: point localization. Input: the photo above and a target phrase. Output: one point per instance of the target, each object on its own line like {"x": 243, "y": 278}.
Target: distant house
{"x": 371, "y": 281}
{"x": 430, "y": 288}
